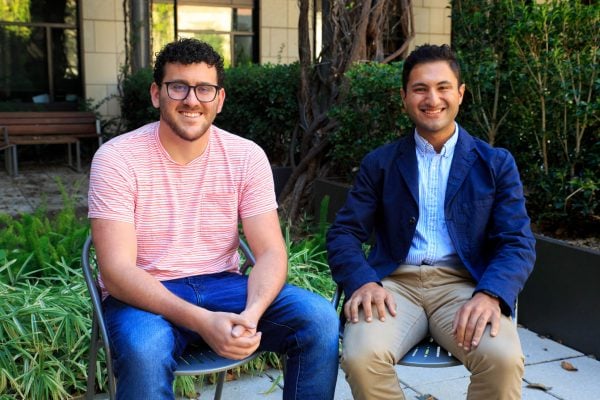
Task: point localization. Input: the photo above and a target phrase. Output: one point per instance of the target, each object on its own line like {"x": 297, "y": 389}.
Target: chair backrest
{"x": 189, "y": 362}
{"x": 249, "y": 259}
{"x": 90, "y": 270}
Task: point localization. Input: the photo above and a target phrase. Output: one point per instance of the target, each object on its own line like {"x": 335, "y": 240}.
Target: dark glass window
{"x": 227, "y": 25}
{"x": 39, "y": 55}
{"x": 242, "y": 50}
{"x": 242, "y": 19}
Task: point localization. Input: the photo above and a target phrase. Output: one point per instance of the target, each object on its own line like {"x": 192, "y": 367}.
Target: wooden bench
{"x": 33, "y": 128}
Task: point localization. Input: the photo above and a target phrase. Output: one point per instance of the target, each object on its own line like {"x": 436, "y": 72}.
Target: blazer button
{"x": 412, "y": 221}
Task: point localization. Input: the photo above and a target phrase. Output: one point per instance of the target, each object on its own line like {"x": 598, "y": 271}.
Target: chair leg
{"x": 219, "y": 387}
{"x": 93, "y": 356}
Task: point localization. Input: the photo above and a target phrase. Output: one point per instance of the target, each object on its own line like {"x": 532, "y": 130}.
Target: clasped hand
{"x": 231, "y": 335}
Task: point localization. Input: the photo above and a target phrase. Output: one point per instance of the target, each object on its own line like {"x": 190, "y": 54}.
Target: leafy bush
{"x": 532, "y": 77}
{"x": 136, "y": 104}
{"x": 31, "y": 242}
{"x": 44, "y": 333}
{"x": 369, "y": 115}
{"x": 261, "y": 105}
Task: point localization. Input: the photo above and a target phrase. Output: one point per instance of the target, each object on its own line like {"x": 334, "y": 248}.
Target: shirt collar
{"x": 424, "y": 147}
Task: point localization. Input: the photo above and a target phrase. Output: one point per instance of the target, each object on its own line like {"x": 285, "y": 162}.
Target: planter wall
{"x": 337, "y": 193}
{"x": 561, "y": 299}
{"x": 280, "y": 178}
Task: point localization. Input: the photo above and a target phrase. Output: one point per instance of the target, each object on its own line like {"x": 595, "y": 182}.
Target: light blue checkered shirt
{"x": 431, "y": 244}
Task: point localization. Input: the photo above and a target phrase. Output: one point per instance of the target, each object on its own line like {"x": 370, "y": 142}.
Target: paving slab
{"x": 581, "y": 384}
{"x": 266, "y": 385}
{"x": 418, "y": 376}
{"x": 456, "y": 389}
{"x": 538, "y": 349}
{"x": 42, "y": 186}
{"x": 247, "y": 387}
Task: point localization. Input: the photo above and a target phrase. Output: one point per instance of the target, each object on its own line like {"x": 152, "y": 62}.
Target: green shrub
{"x": 261, "y": 105}
{"x": 369, "y": 115}
{"x": 29, "y": 243}
{"x": 531, "y": 70}
{"x": 136, "y": 105}
{"x": 44, "y": 333}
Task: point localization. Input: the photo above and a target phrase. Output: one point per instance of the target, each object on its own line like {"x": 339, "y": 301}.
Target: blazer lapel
{"x": 406, "y": 162}
{"x": 463, "y": 159}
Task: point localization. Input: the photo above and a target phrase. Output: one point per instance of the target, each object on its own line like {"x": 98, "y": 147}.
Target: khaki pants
{"x": 427, "y": 298}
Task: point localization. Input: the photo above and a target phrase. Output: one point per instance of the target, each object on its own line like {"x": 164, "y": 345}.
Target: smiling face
{"x": 187, "y": 119}
{"x": 432, "y": 98}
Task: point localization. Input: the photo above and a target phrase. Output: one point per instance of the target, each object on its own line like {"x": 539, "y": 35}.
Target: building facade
{"x": 56, "y": 53}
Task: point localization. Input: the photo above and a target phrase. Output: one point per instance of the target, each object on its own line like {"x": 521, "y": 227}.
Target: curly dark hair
{"x": 430, "y": 53}
{"x": 188, "y": 51}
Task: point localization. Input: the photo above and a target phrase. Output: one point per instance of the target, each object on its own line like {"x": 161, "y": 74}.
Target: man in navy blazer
{"x": 453, "y": 246}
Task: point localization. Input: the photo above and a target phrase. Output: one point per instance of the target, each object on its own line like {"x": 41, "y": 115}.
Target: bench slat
{"x": 45, "y": 114}
{"x": 17, "y": 130}
{"x": 51, "y": 127}
{"x": 43, "y": 140}
{"x": 47, "y": 121}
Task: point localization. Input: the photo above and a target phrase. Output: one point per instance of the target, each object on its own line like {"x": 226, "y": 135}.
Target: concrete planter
{"x": 562, "y": 296}
{"x": 337, "y": 193}
{"x": 280, "y": 178}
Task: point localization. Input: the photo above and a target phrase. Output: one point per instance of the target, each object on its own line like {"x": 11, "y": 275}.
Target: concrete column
{"x": 140, "y": 34}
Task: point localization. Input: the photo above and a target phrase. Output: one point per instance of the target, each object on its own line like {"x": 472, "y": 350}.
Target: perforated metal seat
{"x": 427, "y": 353}
{"x": 195, "y": 361}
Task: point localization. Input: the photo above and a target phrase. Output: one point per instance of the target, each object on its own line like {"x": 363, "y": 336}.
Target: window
{"x": 39, "y": 54}
{"x": 228, "y": 25}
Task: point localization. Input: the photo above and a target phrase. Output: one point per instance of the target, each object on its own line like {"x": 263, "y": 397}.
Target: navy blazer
{"x": 484, "y": 211}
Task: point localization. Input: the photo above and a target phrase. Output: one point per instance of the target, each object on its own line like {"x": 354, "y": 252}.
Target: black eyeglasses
{"x": 205, "y": 93}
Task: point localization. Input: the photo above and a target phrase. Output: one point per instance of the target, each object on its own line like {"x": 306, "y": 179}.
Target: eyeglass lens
{"x": 180, "y": 91}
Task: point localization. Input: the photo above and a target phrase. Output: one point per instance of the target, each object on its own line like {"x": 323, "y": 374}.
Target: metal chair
{"x": 195, "y": 361}
{"x": 427, "y": 353}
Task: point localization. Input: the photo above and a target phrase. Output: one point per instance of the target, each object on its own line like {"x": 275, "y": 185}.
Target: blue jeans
{"x": 299, "y": 324}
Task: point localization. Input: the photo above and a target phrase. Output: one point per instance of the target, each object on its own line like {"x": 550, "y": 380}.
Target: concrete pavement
{"x": 545, "y": 378}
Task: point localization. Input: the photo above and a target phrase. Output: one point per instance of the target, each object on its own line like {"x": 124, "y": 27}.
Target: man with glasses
{"x": 453, "y": 246}
{"x": 164, "y": 202}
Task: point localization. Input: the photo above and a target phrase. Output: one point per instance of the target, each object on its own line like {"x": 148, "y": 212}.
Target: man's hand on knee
{"x": 472, "y": 318}
{"x": 368, "y": 296}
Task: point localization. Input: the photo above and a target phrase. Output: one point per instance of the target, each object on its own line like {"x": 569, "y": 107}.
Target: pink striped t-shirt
{"x": 185, "y": 216}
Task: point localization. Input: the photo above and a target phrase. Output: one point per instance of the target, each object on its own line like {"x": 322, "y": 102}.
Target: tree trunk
{"x": 352, "y": 31}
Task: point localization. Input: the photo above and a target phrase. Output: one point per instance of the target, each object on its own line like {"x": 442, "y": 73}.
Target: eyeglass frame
{"x": 189, "y": 88}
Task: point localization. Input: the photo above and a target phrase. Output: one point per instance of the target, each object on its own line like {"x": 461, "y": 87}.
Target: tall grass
{"x": 44, "y": 334}
{"x": 45, "y": 311}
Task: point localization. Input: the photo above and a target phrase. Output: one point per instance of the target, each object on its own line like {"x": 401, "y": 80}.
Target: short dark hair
{"x": 430, "y": 53}
{"x": 188, "y": 51}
